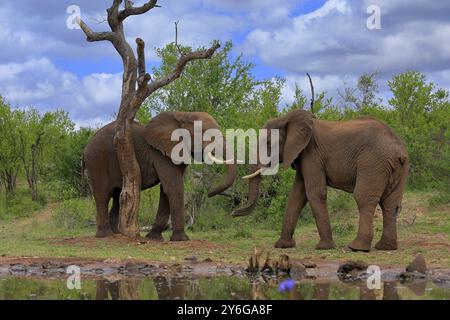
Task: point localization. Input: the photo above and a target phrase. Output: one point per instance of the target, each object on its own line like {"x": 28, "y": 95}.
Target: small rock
{"x": 309, "y": 264}
{"x": 418, "y": 265}
{"x": 350, "y": 266}
{"x": 193, "y": 259}
{"x": 297, "y": 271}
{"x": 207, "y": 260}
{"x": 411, "y": 276}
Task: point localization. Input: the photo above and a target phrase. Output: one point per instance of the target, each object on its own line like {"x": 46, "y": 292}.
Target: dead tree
{"x": 137, "y": 85}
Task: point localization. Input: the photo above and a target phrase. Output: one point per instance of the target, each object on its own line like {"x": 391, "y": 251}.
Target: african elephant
{"x": 153, "y": 148}
{"x": 362, "y": 156}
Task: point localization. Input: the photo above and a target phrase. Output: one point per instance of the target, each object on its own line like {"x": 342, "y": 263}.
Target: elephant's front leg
{"x": 296, "y": 202}
{"x": 162, "y": 217}
{"x": 176, "y": 201}
{"x": 172, "y": 184}
{"x": 316, "y": 192}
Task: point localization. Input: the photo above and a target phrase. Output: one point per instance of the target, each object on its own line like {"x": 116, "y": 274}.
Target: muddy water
{"x": 212, "y": 287}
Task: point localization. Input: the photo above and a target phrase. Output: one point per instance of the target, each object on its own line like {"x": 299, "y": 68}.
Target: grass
{"x": 423, "y": 228}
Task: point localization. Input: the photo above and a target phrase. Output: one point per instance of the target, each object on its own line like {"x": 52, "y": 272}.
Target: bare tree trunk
{"x": 135, "y": 89}
{"x": 131, "y": 180}
{"x": 8, "y": 178}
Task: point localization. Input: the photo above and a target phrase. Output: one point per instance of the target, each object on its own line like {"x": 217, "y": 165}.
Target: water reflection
{"x": 220, "y": 287}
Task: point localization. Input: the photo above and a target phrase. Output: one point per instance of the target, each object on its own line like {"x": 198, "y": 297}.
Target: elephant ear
{"x": 158, "y": 131}
{"x": 298, "y": 134}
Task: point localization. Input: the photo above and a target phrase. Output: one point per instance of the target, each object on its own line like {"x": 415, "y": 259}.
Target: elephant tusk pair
{"x": 254, "y": 174}
{"x": 220, "y": 161}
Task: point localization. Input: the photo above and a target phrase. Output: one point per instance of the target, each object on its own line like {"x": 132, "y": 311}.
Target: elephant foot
{"x": 104, "y": 232}
{"x": 358, "y": 245}
{"x": 386, "y": 245}
{"x": 154, "y": 236}
{"x": 179, "y": 236}
{"x": 325, "y": 245}
{"x": 285, "y": 243}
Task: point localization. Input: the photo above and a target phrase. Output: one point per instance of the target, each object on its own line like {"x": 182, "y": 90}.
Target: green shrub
{"x": 242, "y": 232}
{"x": 148, "y": 206}
{"x": 440, "y": 198}
{"x": 339, "y": 201}
{"x": 343, "y": 227}
{"x": 212, "y": 219}
{"x": 19, "y": 205}
{"x": 74, "y": 214}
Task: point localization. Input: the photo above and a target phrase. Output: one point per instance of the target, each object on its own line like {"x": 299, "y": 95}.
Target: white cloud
{"x": 38, "y": 82}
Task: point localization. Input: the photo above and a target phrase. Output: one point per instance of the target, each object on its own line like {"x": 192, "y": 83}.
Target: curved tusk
{"x": 254, "y": 174}
{"x": 219, "y": 161}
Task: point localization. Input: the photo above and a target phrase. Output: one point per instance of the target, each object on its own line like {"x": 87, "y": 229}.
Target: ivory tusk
{"x": 219, "y": 161}
{"x": 254, "y": 174}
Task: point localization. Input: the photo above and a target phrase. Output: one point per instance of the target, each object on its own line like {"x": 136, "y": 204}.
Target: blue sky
{"x": 44, "y": 64}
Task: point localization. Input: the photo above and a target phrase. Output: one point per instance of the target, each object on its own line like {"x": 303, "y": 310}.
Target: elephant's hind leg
{"x": 296, "y": 202}
{"x": 391, "y": 207}
{"x": 367, "y": 195}
{"x": 103, "y": 226}
{"x": 162, "y": 217}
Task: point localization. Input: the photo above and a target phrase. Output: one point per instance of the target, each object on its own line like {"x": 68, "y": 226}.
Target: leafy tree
{"x": 9, "y": 147}
{"x": 225, "y": 87}
{"x": 364, "y": 95}
{"x": 40, "y": 137}
{"x": 422, "y": 118}
{"x": 69, "y": 167}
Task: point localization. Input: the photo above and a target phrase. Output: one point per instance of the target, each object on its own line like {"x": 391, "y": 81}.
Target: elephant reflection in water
{"x": 170, "y": 288}
{"x": 123, "y": 289}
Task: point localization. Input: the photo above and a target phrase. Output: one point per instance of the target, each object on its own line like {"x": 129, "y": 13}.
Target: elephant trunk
{"x": 254, "y": 184}
{"x": 229, "y": 179}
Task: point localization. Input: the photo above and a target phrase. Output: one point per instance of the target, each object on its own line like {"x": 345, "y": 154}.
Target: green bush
{"x": 74, "y": 214}
{"x": 440, "y": 198}
{"x": 339, "y": 201}
{"x": 212, "y": 219}
{"x": 148, "y": 206}
{"x": 19, "y": 205}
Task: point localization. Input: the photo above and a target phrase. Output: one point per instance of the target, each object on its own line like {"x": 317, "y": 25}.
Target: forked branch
{"x": 181, "y": 64}
{"x": 132, "y": 11}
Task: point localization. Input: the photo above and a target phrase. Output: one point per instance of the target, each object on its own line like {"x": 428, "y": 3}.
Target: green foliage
{"x": 440, "y": 198}
{"x": 76, "y": 213}
{"x": 19, "y": 204}
{"x": 148, "y": 206}
{"x": 9, "y": 146}
{"x": 69, "y": 167}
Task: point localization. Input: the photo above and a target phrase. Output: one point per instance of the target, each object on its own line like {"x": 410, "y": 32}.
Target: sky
{"x": 45, "y": 64}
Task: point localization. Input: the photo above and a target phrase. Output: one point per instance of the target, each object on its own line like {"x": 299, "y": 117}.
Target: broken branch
{"x": 312, "y": 92}
{"x": 143, "y": 77}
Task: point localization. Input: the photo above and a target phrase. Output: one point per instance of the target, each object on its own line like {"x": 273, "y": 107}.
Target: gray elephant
{"x": 362, "y": 156}
{"x": 153, "y": 146}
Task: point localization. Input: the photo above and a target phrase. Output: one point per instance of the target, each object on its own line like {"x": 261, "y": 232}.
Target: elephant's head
{"x": 295, "y": 131}
{"x": 158, "y": 133}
